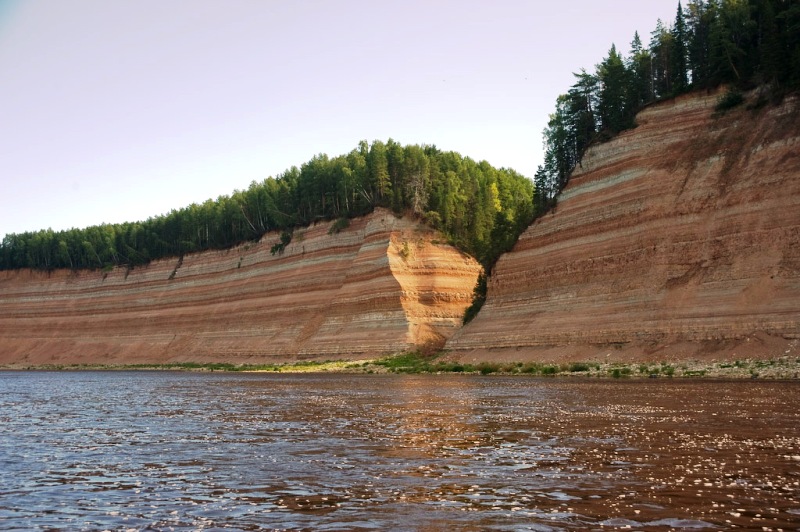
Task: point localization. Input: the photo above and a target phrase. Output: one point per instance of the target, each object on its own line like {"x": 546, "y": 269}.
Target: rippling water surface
{"x": 190, "y": 451}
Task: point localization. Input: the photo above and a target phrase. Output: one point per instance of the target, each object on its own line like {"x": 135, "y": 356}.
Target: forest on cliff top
{"x": 480, "y": 208}
{"x": 744, "y": 44}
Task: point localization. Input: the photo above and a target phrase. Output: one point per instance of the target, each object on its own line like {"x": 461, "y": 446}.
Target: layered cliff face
{"x": 380, "y": 286}
{"x": 678, "y": 239}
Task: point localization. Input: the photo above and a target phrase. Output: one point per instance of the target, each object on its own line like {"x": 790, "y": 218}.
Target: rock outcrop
{"x": 380, "y": 286}
{"x": 677, "y": 239}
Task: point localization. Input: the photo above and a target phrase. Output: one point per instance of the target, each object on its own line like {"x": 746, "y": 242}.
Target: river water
{"x": 194, "y": 451}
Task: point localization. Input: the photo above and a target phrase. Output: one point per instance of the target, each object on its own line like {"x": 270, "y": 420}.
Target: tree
{"x": 678, "y": 54}
{"x": 660, "y": 51}
{"x": 395, "y": 155}
{"x": 582, "y": 102}
{"x": 639, "y": 67}
{"x": 478, "y": 207}
{"x": 731, "y": 33}
{"x": 772, "y": 53}
{"x": 699, "y": 18}
{"x": 544, "y": 188}
{"x": 788, "y": 18}
{"x": 417, "y": 170}
{"x": 380, "y": 184}
{"x": 613, "y": 76}
{"x": 560, "y": 157}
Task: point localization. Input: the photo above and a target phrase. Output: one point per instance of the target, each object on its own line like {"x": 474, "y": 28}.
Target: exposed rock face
{"x": 678, "y": 239}
{"x": 380, "y": 286}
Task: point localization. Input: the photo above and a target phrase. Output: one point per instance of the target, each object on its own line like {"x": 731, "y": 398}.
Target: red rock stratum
{"x": 380, "y": 286}
{"x": 678, "y": 239}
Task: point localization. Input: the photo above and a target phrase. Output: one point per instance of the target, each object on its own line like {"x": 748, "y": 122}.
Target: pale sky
{"x": 118, "y": 110}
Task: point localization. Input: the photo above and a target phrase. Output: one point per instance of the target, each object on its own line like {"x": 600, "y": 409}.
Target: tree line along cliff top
{"x": 741, "y": 43}
{"x": 480, "y": 208}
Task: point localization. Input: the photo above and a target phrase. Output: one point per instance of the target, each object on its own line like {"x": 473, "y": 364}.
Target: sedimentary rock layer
{"x": 380, "y": 286}
{"x": 677, "y": 239}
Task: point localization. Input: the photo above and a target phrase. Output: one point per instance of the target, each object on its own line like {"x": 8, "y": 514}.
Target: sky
{"x": 114, "y": 111}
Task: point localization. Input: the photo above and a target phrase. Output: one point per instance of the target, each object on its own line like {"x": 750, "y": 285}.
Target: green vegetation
{"x": 416, "y": 362}
{"x": 286, "y": 238}
{"x": 549, "y": 370}
{"x": 478, "y": 299}
{"x": 481, "y": 209}
{"x": 732, "y": 98}
{"x": 411, "y": 362}
{"x": 741, "y": 43}
{"x": 620, "y": 371}
{"x": 338, "y": 225}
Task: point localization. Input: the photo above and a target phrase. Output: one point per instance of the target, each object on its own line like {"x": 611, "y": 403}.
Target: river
{"x": 193, "y": 451}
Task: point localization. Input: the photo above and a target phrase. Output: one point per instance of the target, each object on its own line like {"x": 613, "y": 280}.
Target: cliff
{"x": 380, "y": 286}
{"x": 678, "y": 239}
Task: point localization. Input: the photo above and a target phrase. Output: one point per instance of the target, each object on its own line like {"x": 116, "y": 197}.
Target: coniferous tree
{"x": 739, "y": 42}
{"x": 789, "y": 28}
{"x": 560, "y": 157}
{"x": 678, "y": 55}
{"x": 396, "y": 155}
{"x": 544, "y": 187}
{"x": 613, "y": 78}
{"x": 732, "y": 33}
{"x": 661, "y": 51}
{"x": 699, "y": 17}
{"x": 380, "y": 185}
{"x": 582, "y": 103}
{"x": 640, "y": 67}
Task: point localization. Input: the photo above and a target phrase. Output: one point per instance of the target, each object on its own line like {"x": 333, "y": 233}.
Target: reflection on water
{"x": 185, "y": 451}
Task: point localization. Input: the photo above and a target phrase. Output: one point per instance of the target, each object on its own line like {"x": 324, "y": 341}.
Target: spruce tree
{"x": 613, "y": 80}
{"x": 581, "y": 106}
{"x": 678, "y": 55}
{"x": 640, "y": 90}
{"x": 660, "y": 51}
{"x": 699, "y": 17}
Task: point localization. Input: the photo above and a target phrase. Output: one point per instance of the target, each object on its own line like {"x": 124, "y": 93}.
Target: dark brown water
{"x": 182, "y": 451}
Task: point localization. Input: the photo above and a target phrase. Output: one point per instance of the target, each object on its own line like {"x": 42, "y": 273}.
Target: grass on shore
{"x": 419, "y": 363}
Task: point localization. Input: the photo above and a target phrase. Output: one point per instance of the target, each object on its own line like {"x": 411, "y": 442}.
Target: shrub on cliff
{"x": 732, "y": 98}
{"x": 478, "y": 299}
{"x": 339, "y": 225}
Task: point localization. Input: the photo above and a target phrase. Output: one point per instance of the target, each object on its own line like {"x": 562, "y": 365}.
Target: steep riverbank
{"x": 677, "y": 240}
{"x": 382, "y": 285}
